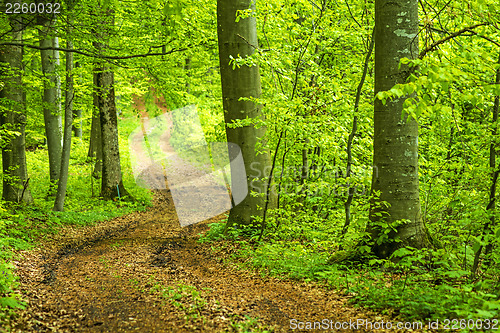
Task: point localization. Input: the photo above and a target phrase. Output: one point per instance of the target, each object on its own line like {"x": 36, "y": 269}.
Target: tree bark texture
{"x": 489, "y": 226}
{"x": 112, "y": 185}
{"x": 68, "y": 125}
{"x": 395, "y": 144}
{"x": 95, "y": 147}
{"x": 111, "y": 181}
{"x": 77, "y": 118}
{"x": 240, "y": 39}
{"x": 51, "y": 97}
{"x": 13, "y": 118}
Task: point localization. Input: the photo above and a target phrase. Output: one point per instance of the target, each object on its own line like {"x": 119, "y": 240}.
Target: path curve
{"x": 143, "y": 273}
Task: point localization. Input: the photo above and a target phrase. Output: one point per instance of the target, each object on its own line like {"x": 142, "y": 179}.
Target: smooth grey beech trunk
{"x": 51, "y": 97}
{"x": 13, "y": 118}
{"x": 68, "y": 120}
{"x": 395, "y": 145}
{"x": 77, "y": 117}
{"x": 95, "y": 147}
{"x": 240, "y": 39}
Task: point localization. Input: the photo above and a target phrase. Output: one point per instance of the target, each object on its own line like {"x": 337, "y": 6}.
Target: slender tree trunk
{"x": 395, "y": 157}
{"x": 240, "y": 39}
{"x": 305, "y": 164}
{"x": 95, "y": 148}
{"x": 77, "y": 118}
{"x": 13, "y": 118}
{"x": 68, "y": 120}
{"x": 493, "y": 153}
{"x": 112, "y": 184}
{"x": 350, "y": 139}
{"x": 187, "y": 68}
{"x": 490, "y": 225}
{"x": 314, "y": 170}
{"x": 94, "y": 128}
{"x": 304, "y": 173}
{"x": 51, "y": 98}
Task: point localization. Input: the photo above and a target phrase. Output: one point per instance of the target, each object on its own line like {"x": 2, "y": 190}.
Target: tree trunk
{"x": 68, "y": 123}
{"x": 51, "y": 98}
{"x": 77, "y": 118}
{"x": 95, "y": 148}
{"x": 187, "y": 68}
{"x": 351, "y": 189}
{"x": 13, "y": 118}
{"x": 395, "y": 157}
{"x": 304, "y": 173}
{"x": 489, "y": 226}
{"x": 240, "y": 39}
{"x": 112, "y": 184}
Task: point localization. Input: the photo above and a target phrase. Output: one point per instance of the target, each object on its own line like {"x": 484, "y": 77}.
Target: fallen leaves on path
{"x": 143, "y": 273}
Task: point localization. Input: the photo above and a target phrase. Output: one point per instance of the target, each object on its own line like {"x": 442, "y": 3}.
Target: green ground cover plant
{"x": 22, "y": 226}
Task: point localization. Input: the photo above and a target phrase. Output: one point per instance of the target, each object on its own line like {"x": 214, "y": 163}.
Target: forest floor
{"x": 144, "y": 273}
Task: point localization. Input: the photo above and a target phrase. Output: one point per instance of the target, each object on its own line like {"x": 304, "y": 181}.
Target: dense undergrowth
{"x": 300, "y": 238}
{"x": 22, "y": 226}
{"x": 422, "y": 286}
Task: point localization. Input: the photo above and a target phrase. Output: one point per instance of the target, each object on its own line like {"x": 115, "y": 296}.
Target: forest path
{"x": 143, "y": 273}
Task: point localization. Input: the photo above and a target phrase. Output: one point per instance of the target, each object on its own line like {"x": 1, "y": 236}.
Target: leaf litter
{"x": 144, "y": 273}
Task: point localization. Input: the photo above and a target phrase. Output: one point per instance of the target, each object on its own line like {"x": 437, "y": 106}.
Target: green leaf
{"x": 456, "y": 274}
{"x": 485, "y": 314}
{"x": 11, "y": 302}
{"x": 401, "y": 252}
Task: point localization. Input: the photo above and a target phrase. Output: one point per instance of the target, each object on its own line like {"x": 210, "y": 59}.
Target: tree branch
{"x": 95, "y": 55}
{"x": 447, "y": 38}
{"x": 485, "y": 37}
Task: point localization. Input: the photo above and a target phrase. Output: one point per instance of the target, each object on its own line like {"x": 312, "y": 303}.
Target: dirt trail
{"x": 143, "y": 273}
